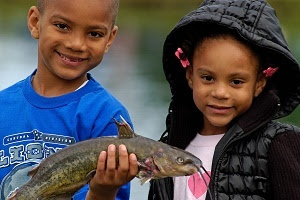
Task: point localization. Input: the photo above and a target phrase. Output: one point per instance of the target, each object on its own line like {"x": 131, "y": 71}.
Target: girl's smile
{"x": 219, "y": 110}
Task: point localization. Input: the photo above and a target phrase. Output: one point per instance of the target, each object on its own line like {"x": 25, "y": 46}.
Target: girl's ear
{"x": 260, "y": 85}
{"x": 33, "y": 22}
{"x": 189, "y": 76}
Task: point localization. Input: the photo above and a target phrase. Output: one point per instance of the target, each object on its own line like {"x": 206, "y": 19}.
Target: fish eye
{"x": 179, "y": 160}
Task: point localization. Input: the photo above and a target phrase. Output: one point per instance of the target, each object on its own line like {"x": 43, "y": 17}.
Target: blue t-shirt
{"x": 32, "y": 127}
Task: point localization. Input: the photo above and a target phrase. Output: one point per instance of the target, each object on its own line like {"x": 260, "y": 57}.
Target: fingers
{"x": 101, "y": 166}
{"x": 123, "y": 168}
{"x": 111, "y": 157}
{"x": 133, "y": 165}
{"x": 128, "y": 166}
{"x": 112, "y": 172}
{"x": 123, "y": 158}
{"x": 111, "y": 162}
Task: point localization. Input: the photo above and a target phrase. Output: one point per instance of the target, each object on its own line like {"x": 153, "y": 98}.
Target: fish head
{"x": 168, "y": 161}
{"x": 173, "y": 161}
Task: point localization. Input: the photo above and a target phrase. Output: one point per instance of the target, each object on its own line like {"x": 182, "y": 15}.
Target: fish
{"x": 63, "y": 173}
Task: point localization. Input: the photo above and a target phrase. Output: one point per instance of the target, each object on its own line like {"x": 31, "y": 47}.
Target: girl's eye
{"x": 61, "y": 26}
{"x": 237, "y": 82}
{"x": 207, "y": 78}
{"x": 95, "y": 34}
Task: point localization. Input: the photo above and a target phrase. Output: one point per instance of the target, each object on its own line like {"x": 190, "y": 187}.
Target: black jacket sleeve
{"x": 284, "y": 166}
{"x": 161, "y": 189}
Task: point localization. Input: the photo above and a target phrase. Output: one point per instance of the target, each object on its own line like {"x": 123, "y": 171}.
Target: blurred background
{"x": 132, "y": 69}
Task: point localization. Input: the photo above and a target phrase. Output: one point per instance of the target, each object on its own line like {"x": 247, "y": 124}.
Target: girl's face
{"x": 224, "y": 80}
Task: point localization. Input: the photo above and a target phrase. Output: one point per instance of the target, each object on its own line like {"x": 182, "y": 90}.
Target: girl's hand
{"x": 109, "y": 177}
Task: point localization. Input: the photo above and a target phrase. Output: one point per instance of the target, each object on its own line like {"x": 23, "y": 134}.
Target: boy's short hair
{"x": 42, "y": 4}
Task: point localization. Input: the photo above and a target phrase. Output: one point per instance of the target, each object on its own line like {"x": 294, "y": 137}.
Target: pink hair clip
{"x": 185, "y": 62}
{"x": 270, "y": 71}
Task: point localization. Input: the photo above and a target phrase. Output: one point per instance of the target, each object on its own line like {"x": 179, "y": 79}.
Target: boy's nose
{"x": 220, "y": 91}
{"x": 76, "y": 43}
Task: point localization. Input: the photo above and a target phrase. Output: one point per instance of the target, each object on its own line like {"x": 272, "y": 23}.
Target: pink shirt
{"x": 194, "y": 187}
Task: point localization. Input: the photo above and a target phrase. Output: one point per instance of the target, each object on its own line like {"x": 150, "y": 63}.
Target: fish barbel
{"x": 62, "y": 174}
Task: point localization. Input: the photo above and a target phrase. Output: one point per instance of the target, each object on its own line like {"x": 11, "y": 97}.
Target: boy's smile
{"x": 70, "y": 60}
{"x": 72, "y": 40}
{"x": 224, "y": 79}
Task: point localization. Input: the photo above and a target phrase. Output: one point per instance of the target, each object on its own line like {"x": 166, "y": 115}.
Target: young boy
{"x": 60, "y": 103}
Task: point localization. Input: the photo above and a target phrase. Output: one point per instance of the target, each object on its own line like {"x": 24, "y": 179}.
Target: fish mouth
{"x": 198, "y": 168}
{"x": 192, "y": 169}
{"x": 171, "y": 170}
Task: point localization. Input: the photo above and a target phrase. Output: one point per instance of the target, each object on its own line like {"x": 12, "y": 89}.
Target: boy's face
{"x": 73, "y": 36}
{"x": 224, "y": 79}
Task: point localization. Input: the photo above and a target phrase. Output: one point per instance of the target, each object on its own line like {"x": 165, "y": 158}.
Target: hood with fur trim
{"x": 256, "y": 22}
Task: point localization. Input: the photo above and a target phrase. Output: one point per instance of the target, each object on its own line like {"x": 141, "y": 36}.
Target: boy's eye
{"x": 61, "y": 26}
{"x": 95, "y": 34}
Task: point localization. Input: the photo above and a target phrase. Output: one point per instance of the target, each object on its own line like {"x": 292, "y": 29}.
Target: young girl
{"x": 231, "y": 74}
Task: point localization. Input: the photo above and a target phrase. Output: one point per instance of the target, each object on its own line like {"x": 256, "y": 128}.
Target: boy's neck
{"x": 48, "y": 87}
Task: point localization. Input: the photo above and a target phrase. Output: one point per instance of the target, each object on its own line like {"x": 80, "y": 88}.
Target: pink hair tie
{"x": 184, "y": 62}
{"x": 270, "y": 71}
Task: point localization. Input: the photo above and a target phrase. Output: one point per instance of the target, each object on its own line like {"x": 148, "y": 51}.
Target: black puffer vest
{"x": 241, "y": 165}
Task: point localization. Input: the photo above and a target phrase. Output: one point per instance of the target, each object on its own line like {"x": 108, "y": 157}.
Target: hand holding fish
{"x": 62, "y": 174}
{"x": 109, "y": 178}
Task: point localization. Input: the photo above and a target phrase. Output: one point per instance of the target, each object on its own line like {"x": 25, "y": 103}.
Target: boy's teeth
{"x": 68, "y": 59}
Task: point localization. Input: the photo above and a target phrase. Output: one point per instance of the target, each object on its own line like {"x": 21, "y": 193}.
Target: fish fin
{"x": 145, "y": 176}
{"x": 33, "y": 171}
{"x": 91, "y": 174}
{"x": 125, "y": 122}
{"x": 12, "y": 195}
{"x": 124, "y": 129}
{"x": 143, "y": 181}
{"x": 144, "y": 173}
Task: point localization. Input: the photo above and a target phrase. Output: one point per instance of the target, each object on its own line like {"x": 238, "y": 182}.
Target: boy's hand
{"x": 109, "y": 177}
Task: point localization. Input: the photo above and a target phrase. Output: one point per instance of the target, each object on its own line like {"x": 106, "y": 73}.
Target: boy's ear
{"x": 189, "y": 76}
{"x": 260, "y": 85}
{"x": 111, "y": 38}
{"x": 33, "y": 22}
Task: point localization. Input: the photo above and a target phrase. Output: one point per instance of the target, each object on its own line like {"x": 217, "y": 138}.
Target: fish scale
{"x": 62, "y": 174}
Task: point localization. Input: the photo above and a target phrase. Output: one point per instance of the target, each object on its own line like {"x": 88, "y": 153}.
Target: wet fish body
{"x": 62, "y": 174}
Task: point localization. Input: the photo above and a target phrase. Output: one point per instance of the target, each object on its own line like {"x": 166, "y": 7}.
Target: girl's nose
{"x": 220, "y": 91}
{"x": 76, "y": 42}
